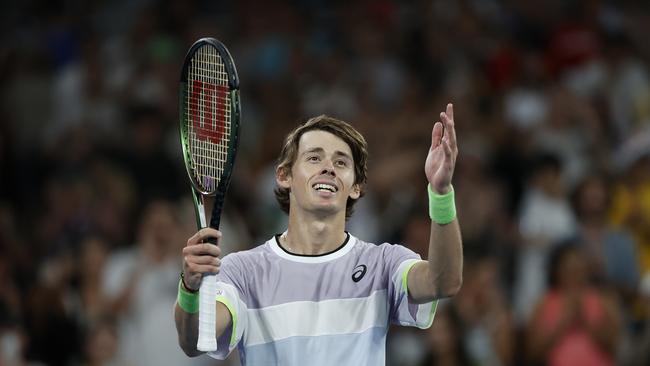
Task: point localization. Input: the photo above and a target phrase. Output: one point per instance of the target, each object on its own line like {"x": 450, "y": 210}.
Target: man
{"x": 316, "y": 295}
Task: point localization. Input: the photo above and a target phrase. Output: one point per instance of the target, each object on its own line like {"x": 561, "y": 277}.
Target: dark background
{"x": 552, "y": 105}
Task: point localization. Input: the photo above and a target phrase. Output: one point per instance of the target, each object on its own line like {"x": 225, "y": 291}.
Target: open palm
{"x": 441, "y": 160}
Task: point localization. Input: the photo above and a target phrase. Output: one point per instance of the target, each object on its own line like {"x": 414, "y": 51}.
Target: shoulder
{"x": 386, "y": 252}
{"x": 246, "y": 256}
{"x": 239, "y": 268}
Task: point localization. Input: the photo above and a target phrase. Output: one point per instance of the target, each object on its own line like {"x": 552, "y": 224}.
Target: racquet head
{"x": 209, "y": 119}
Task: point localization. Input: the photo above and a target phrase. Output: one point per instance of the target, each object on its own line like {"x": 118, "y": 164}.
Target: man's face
{"x": 322, "y": 176}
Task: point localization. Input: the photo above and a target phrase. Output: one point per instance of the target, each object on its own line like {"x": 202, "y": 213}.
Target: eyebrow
{"x": 320, "y": 150}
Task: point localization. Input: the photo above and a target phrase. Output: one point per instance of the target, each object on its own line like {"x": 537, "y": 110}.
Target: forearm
{"x": 445, "y": 258}
{"x": 440, "y": 276}
{"x": 187, "y": 327}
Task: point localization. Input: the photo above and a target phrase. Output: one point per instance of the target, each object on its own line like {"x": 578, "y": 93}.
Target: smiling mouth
{"x": 322, "y": 187}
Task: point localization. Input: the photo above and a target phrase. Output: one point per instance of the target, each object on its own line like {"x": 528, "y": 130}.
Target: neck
{"x": 312, "y": 235}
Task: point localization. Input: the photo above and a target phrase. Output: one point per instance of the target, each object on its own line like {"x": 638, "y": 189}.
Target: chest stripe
{"x": 316, "y": 318}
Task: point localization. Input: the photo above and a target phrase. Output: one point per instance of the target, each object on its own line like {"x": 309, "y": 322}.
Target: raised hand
{"x": 441, "y": 160}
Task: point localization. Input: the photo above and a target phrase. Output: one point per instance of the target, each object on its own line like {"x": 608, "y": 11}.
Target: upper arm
{"x": 420, "y": 289}
{"x": 399, "y": 262}
{"x": 231, "y": 308}
{"x": 224, "y": 319}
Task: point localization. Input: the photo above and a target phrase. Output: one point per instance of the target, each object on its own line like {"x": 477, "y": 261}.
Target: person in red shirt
{"x": 576, "y": 323}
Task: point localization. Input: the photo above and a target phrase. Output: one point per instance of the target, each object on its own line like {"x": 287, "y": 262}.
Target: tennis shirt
{"x": 330, "y": 309}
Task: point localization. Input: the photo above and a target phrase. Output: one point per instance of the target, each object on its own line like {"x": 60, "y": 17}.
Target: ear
{"x": 283, "y": 177}
{"x": 355, "y": 193}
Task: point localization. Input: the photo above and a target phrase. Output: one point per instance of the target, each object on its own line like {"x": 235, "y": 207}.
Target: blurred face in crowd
{"x": 321, "y": 178}
{"x": 592, "y": 198}
{"x": 550, "y": 181}
{"x": 572, "y": 270}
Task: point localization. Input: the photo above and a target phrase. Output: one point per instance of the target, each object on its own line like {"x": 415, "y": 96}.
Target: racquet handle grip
{"x": 207, "y": 314}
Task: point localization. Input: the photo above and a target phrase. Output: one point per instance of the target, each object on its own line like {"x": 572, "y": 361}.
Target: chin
{"x": 327, "y": 210}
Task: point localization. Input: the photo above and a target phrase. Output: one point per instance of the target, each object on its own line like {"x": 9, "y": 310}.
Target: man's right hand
{"x": 200, "y": 257}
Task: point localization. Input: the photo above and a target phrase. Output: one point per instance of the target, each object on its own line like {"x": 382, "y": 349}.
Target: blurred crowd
{"x": 552, "y": 105}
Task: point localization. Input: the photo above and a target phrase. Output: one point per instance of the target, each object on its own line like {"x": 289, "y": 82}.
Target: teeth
{"x": 327, "y": 187}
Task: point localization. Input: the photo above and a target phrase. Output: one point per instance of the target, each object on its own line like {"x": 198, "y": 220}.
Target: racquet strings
{"x": 208, "y": 117}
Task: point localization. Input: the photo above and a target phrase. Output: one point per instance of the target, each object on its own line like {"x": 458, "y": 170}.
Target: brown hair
{"x": 338, "y": 128}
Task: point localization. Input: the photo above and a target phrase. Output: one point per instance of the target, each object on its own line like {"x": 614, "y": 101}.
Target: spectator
{"x": 101, "y": 345}
{"x": 136, "y": 283}
{"x": 610, "y": 251}
{"x": 631, "y": 207}
{"x": 545, "y": 219}
{"x": 445, "y": 343}
{"x": 487, "y": 323}
{"x": 575, "y": 323}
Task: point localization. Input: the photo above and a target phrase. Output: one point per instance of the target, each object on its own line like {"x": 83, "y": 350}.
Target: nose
{"x": 328, "y": 168}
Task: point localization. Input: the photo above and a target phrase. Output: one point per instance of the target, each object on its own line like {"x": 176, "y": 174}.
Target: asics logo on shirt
{"x": 359, "y": 272}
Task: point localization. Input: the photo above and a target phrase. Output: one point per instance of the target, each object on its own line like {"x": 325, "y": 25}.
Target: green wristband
{"x": 442, "y": 208}
{"x": 188, "y": 301}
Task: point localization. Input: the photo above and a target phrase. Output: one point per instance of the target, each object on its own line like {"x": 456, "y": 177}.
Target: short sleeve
{"x": 398, "y": 261}
{"x": 230, "y": 287}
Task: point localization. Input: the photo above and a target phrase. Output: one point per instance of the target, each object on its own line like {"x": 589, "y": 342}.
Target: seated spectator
{"x": 445, "y": 341}
{"x": 610, "y": 251}
{"x": 545, "y": 219}
{"x": 576, "y": 323}
{"x": 485, "y": 315}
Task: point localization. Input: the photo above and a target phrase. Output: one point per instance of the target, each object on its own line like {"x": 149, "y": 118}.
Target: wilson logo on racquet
{"x": 359, "y": 272}
{"x": 207, "y": 103}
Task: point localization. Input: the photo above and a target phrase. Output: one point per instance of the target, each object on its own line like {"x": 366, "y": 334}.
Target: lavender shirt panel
{"x": 265, "y": 279}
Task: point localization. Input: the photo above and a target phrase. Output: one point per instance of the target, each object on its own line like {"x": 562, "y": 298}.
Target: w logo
{"x": 210, "y": 99}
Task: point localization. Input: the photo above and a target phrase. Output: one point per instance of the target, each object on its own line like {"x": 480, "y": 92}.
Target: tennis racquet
{"x": 209, "y": 128}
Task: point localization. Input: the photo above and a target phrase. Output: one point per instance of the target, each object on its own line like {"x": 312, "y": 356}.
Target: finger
{"x": 202, "y": 269}
{"x": 450, "y": 129}
{"x": 202, "y": 259}
{"x": 450, "y": 110}
{"x": 202, "y": 235}
{"x": 202, "y": 249}
{"x": 447, "y": 148}
{"x": 209, "y": 233}
{"x": 436, "y": 134}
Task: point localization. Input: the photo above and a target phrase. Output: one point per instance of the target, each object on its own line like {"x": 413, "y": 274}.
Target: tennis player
{"x": 316, "y": 294}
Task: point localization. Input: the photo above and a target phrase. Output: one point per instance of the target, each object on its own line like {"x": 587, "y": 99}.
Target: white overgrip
{"x": 207, "y": 314}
